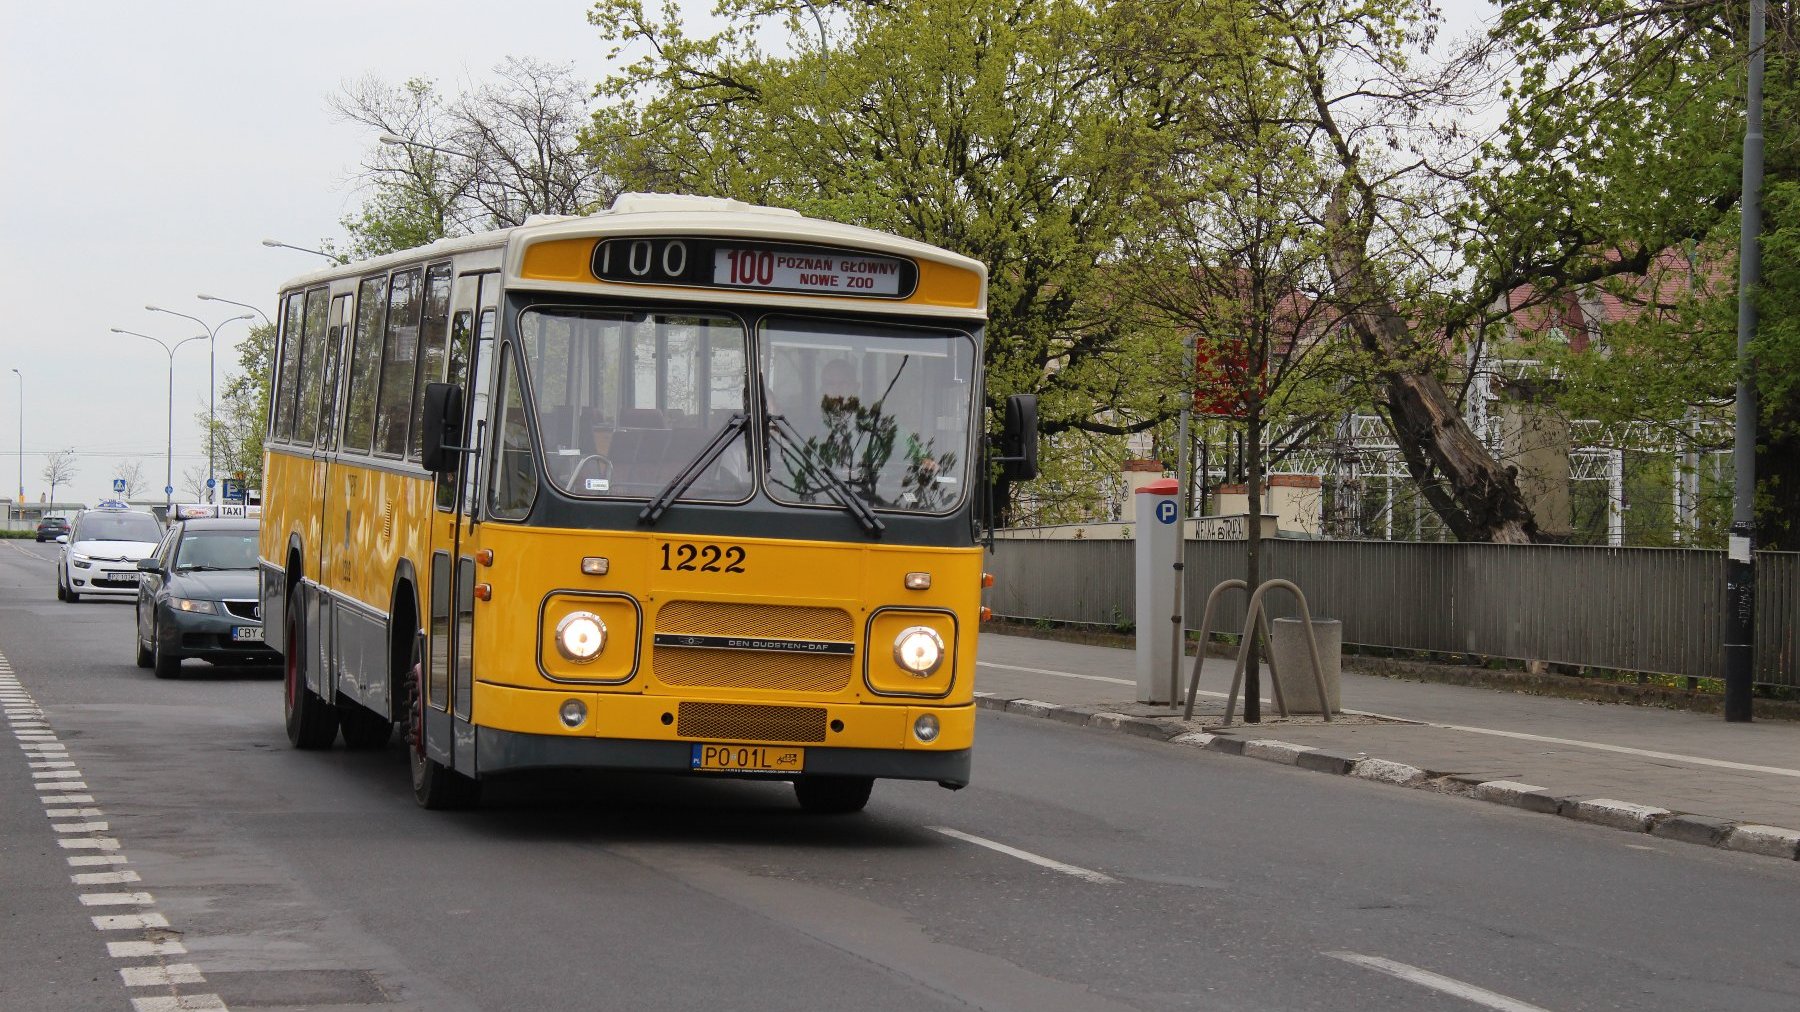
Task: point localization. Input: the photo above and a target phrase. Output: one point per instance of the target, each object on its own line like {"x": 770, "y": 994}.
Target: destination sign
{"x": 754, "y": 266}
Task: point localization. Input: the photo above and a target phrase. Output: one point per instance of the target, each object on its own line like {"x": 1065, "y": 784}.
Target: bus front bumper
{"x": 500, "y": 751}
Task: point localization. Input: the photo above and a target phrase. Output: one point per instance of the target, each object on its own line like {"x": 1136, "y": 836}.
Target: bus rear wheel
{"x": 824, "y": 795}
{"x": 312, "y": 723}
{"x": 435, "y": 786}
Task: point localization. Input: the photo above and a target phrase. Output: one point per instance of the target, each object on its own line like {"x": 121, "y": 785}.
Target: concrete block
{"x": 1770, "y": 841}
{"x": 1030, "y": 707}
{"x": 1530, "y": 797}
{"x": 1617, "y": 814}
{"x": 1108, "y": 720}
{"x": 1388, "y": 772}
{"x": 1274, "y": 751}
{"x": 1323, "y": 761}
{"x": 1227, "y": 744}
{"x": 1073, "y": 714}
{"x": 1700, "y": 829}
{"x": 1199, "y": 739}
{"x": 1292, "y": 659}
{"x": 991, "y": 702}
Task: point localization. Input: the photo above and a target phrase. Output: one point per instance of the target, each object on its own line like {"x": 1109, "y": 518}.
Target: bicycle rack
{"x": 1206, "y": 614}
{"x": 1256, "y": 620}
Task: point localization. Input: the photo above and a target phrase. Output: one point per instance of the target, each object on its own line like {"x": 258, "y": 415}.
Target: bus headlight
{"x": 580, "y": 636}
{"x": 918, "y": 649}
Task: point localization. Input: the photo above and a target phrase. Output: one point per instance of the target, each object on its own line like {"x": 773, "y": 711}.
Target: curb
{"x": 1683, "y": 827}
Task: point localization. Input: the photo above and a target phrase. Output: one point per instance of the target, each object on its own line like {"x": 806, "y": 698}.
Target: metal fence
{"x": 1631, "y": 609}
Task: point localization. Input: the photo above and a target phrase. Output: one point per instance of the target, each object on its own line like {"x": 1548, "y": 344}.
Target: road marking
{"x": 100, "y": 878}
{"x": 1597, "y": 746}
{"x": 116, "y": 899}
{"x": 1059, "y": 674}
{"x": 126, "y": 922}
{"x": 153, "y": 976}
{"x": 138, "y": 950}
{"x": 1025, "y": 855}
{"x": 1437, "y": 982}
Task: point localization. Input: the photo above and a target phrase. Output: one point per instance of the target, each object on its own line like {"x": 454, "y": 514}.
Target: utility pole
{"x": 1740, "y": 559}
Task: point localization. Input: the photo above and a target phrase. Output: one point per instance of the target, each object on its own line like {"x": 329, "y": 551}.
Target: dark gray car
{"x": 198, "y": 596}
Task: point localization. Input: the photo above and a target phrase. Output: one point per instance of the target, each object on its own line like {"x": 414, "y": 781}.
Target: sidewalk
{"x": 1675, "y": 774}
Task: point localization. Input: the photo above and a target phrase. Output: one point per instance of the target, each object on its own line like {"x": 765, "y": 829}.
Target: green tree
{"x": 1017, "y": 132}
{"x": 242, "y": 417}
{"x": 1621, "y": 153}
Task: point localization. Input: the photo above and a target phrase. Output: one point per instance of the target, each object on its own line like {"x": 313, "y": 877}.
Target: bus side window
{"x": 288, "y": 380}
{"x": 460, "y": 326}
{"x": 365, "y": 365}
{"x": 433, "y": 332}
{"x": 312, "y": 367}
{"x": 513, "y": 485}
{"x": 400, "y": 355}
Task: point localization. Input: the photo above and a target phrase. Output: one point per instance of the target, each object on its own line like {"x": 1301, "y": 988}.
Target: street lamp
{"x": 169, "y": 458}
{"x": 21, "y": 376}
{"x": 234, "y": 302}
{"x": 333, "y": 257}
{"x": 212, "y": 368}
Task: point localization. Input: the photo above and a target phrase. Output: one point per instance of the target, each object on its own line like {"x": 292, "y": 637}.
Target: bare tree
{"x": 132, "y": 471}
{"x": 193, "y": 484}
{"x": 487, "y": 158}
{"x": 59, "y": 469}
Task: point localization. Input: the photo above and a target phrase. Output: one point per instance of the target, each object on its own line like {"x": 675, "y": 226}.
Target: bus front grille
{"x": 748, "y": 722}
{"x": 775, "y": 671}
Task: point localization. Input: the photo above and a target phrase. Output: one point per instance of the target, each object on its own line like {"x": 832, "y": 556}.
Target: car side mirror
{"x": 442, "y": 418}
{"x": 1019, "y": 438}
{"x": 62, "y": 539}
{"x": 148, "y": 566}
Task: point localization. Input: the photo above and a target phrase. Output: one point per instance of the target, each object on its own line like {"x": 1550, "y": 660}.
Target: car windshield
{"x": 884, "y": 409}
{"x": 624, "y": 401}
{"x": 120, "y": 527}
{"x": 217, "y": 550}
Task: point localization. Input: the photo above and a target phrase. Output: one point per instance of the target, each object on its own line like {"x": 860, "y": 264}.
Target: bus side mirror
{"x": 442, "y": 419}
{"x": 1019, "y": 438}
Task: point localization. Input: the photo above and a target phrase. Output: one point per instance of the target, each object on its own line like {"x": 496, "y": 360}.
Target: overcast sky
{"x": 146, "y": 149}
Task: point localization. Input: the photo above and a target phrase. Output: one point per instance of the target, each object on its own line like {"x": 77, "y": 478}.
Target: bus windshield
{"x": 625, "y": 400}
{"x": 885, "y": 409}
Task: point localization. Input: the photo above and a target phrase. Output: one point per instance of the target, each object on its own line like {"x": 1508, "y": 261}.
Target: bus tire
{"x": 363, "y": 728}
{"x": 827, "y": 795}
{"x": 312, "y": 723}
{"x": 436, "y": 787}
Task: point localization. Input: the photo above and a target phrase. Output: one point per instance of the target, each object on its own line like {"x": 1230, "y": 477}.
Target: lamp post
{"x": 21, "y": 376}
{"x": 234, "y": 302}
{"x": 333, "y": 257}
{"x": 1740, "y": 557}
{"x": 212, "y": 371}
{"x": 169, "y": 457}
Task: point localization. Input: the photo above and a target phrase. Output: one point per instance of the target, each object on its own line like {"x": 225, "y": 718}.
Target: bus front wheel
{"x": 435, "y": 786}
{"x": 824, "y": 795}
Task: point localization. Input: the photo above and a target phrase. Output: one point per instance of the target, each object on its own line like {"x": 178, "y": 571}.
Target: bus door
{"x": 456, "y": 531}
{"x": 324, "y": 450}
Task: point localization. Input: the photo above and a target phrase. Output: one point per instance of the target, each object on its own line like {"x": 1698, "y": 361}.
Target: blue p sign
{"x": 1165, "y": 511}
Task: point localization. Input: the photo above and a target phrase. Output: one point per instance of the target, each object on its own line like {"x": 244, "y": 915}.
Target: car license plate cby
{"x": 748, "y": 758}
{"x": 247, "y": 633}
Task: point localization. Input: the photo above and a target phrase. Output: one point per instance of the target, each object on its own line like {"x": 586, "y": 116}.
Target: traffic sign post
{"x": 118, "y": 486}
{"x": 233, "y": 490}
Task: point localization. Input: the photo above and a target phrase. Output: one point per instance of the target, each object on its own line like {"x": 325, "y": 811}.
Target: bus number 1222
{"x": 688, "y": 558}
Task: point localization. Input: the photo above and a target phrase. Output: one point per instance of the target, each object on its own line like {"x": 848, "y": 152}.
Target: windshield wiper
{"x": 695, "y": 467}
{"x": 792, "y": 444}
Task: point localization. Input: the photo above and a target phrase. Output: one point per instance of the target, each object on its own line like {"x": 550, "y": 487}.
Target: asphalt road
{"x": 1138, "y": 876}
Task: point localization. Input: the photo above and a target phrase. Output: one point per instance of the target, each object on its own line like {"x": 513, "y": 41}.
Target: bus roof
{"x": 660, "y": 214}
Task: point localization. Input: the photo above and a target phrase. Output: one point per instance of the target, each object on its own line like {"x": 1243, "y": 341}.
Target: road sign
{"x": 210, "y": 483}
{"x": 1165, "y": 511}
{"x": 233, "y": 490}
{"x": 118, "y": 486}
{"x": 168, "y": 490}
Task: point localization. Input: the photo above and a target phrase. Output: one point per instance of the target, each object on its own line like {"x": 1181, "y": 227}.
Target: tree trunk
{"x": 1476, "y": 495}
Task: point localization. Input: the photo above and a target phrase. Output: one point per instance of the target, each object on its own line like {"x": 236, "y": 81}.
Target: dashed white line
{"x": 152, "y": 976}
{"x": 1059, "y": 674}
{"x": 1438, "y": 982}
{"x": 138, "y": 950}
{"x": 1025, "y": 855}
{"x": 100, "y": 878}
{"x": 117, "y": 900}
{"x": 129, "y": 922}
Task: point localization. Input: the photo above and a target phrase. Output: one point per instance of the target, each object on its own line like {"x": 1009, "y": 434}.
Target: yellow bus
{"x": 688, "y": 485}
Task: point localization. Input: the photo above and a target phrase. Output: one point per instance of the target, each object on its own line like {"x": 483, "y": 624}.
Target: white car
{"x": 101, "y": 551}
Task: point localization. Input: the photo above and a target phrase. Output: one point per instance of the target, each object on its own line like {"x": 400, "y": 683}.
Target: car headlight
{"x": 580, "y": 636}
{"x": 80, "y": 561}
{"x": 199, "y": 607}
{"x": 919, "y": 649}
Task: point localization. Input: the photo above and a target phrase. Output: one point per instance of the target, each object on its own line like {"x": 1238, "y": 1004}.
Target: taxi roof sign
{"x": 207, "y": 511}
